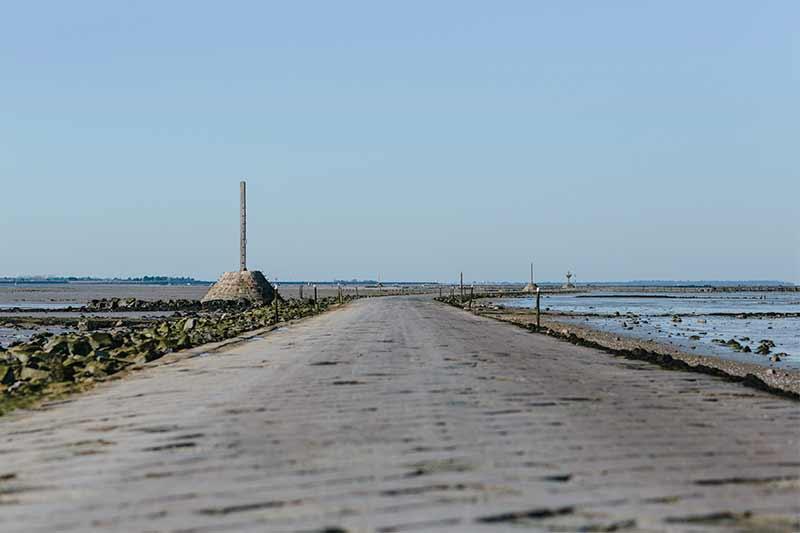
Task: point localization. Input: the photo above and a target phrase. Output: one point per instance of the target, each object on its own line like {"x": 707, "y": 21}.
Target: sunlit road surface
{"x": 403, "y": 414}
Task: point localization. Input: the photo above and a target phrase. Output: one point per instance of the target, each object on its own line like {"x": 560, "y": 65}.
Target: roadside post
{"x": 538, "y": 310}
{"x": 462, "y": 287}
{"x": 276, "y": 303}
{"x": 340, "y": 294}
{"x": 440, "y": 291}
{"x": 471, "y": 295}
{"x": 301, "y": 291}
{"x": 316, "y": 302}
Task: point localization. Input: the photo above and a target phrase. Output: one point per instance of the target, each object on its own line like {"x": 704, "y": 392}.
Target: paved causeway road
{"x": 403, "y": 414}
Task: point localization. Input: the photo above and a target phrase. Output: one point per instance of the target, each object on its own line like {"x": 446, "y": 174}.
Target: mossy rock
{"x": 123, "y": 352}
{"x": 7, "y": 375}
{"x": 101, "y": 339}
{"x": 59, "y": 372}
{"x": 100, "y": 355}
{"x": 24, "y": 351}
{"x": 146, "y": 346}
{"x": 146, "y": 352}
{"x": 120, "y": 362}
{"x": 58, "y": 345}
{"x": 33, "y": 374}
{"x": 164, "y": 345}
{"x": 94, "y": 369}
{"x": 74, "y": 362}
{"x": 80, "y": 346}
{"x": 181, "y": 342}
{"x": 733, "y": 344}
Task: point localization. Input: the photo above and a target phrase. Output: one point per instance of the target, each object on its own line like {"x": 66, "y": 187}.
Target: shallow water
{"x": 10, "y": 335}
{"x": 34, "y": 305}
{"x": 646, "y": 317}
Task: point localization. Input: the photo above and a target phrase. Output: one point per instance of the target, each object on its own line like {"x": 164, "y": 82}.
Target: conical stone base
{"x": 530, "y": 287}
{"x": 250, "y": 285}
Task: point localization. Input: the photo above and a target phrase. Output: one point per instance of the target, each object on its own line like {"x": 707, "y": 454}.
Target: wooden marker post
{"x": 316, "y": 303}
{"x": 471, "y": 295}
{"x": 462, "y": 287}
{"x": 277, "y": 314}
{"x": 538, "y": 310}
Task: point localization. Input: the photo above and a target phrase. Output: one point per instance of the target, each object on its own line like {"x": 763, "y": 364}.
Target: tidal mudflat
{"x": 751, "y": 327}
{"x": 61, "y": 295}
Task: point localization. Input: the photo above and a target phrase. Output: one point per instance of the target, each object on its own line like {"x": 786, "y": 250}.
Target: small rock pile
{"x": 456, "y": 300}
{"x": 765, "y": 347}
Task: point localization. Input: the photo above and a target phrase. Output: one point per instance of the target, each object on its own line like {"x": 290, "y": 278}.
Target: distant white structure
{"x": 569, "y": 284}
{"x": 531, "y": 286}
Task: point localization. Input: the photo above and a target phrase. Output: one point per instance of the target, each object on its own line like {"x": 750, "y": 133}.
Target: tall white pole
{"x": 243, "y": 226}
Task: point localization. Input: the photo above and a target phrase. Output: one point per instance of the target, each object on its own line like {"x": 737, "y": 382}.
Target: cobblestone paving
{"x": 402, "y": 414}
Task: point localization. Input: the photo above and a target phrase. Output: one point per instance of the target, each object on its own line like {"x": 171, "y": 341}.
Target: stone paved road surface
{"x": 402, "y": 414}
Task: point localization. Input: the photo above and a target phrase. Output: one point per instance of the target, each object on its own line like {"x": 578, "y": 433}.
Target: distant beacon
{"x": 249, "y": 285}
{"x": 530, "y": 287}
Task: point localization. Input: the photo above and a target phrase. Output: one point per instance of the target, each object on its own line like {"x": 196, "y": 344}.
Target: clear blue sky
{"x": 619, "y": 139}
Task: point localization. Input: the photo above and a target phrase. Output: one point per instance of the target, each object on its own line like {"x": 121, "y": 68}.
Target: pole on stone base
{"x": 276, "y": 304}
{"x": 242, "y": 226}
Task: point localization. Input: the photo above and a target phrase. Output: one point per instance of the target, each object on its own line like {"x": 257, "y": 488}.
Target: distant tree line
{"x": 144, "y": 280}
